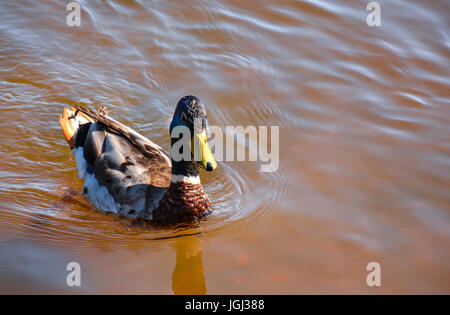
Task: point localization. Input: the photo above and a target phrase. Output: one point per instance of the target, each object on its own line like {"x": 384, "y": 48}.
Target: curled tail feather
{"x": 70, "y": 122}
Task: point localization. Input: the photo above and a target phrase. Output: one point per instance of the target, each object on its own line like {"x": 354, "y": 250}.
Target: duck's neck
{"x": 185, "y": 168}
{"x": 184, "y": 201}
{"x": 195, "y": 180}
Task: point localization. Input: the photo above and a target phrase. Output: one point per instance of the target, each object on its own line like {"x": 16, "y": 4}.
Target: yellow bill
{"x": 202, "y": 152}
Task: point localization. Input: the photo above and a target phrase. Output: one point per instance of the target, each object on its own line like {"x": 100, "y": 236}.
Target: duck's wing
{"x": 148, "y": 148}
{"x": 134, "y": 170}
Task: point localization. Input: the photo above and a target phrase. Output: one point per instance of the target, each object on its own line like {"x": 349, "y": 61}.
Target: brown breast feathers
{"x": 183, "y": 202}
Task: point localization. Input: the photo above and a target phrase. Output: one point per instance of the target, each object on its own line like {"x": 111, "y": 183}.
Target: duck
{"x": 128, "y": 175}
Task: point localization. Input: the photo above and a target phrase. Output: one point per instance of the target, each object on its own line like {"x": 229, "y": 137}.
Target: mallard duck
{"x": 127, "y": 174}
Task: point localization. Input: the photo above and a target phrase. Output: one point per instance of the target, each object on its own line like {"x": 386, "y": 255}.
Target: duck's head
{"x": 190, "y": 114}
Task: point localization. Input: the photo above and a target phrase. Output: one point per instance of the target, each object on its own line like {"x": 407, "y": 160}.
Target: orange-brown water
{"x": 364, "y": 122}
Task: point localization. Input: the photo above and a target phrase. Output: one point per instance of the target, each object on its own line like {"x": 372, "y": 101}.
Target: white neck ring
{"x": 185, "y": 179}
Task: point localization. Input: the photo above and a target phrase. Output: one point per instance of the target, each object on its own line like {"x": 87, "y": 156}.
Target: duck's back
{"x": 123, "y": 172}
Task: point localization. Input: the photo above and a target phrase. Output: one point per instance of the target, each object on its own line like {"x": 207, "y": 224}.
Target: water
{"x": 364, "y": 122}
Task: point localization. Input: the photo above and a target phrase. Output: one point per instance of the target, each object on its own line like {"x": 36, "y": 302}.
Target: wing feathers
{"x": 148, "y": 148}
{"x": 134, "y": 170}
{"x": 94, "y": 143}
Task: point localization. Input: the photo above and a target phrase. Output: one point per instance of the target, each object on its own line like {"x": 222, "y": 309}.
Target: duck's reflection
{"x": 188, "y": 277}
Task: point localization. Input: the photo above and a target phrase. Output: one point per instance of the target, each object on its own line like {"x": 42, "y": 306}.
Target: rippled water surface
{"x": 364, "y": 120}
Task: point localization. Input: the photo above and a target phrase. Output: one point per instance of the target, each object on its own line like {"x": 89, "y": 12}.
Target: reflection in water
{"x": 188, "y": 277}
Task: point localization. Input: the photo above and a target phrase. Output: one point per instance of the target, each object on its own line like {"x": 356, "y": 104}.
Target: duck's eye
{"x": 183, "y": 117}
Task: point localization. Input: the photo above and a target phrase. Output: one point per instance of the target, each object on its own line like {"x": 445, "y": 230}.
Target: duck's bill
{"x": 206, "y": 159}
